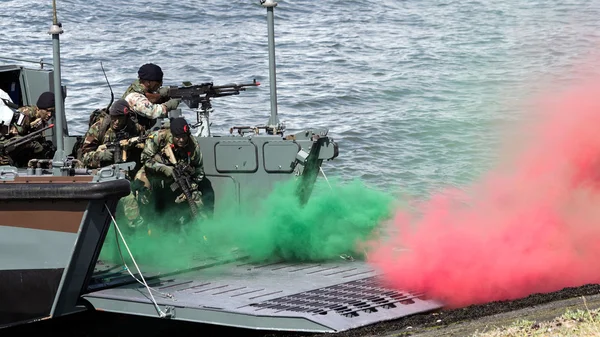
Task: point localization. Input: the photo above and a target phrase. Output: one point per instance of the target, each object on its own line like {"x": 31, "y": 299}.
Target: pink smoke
{"x": 530, "y": 226}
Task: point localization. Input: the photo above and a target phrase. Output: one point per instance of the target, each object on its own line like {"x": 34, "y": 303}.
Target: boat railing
{"x": 40, "y": 62}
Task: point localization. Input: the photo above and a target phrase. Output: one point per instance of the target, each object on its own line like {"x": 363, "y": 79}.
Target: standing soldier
{"x": 118, "y": 127}
{"x": 156, "y": 176}
{"x": 144, "y": 99}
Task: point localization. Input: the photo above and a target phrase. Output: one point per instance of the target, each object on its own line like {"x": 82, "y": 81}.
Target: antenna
{"x": 112, "y": 95}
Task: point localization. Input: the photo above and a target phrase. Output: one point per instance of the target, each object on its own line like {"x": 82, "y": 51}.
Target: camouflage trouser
{"x": 130, "y": 202}
{"x": 141, "y": 192}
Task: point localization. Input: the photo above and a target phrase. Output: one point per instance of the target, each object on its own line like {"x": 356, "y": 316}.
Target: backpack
{"x": 95, "y": 116}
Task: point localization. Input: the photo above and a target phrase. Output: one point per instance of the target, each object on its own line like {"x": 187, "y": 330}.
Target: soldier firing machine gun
{"x": 198, "y": 97}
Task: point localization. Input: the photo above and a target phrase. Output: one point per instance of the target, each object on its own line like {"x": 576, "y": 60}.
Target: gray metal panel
{"x": 294, "y": 297}
{"x": 34, "y": 82}
{"x": 236, "y": 156}
{"x": 25, "y": 248}
{"x": 280, "y": 156}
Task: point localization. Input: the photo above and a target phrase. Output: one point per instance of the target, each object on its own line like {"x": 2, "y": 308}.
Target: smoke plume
{"x": 532, "y": 225}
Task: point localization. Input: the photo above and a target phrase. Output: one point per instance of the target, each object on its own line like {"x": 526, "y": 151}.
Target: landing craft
{"x": 54, "y": 218}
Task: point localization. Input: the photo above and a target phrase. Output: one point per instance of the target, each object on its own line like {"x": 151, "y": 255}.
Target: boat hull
{"x": 42, "y": 225}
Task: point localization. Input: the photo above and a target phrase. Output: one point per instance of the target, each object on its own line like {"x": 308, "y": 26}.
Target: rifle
{"x": 122, "y": 144}
{"x": 13, "y": 144}
{"x": 200, "y": 94}
{"x": 182, "y": 174}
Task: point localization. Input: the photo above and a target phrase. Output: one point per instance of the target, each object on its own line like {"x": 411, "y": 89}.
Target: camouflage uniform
{"x": 30, "y": 121}
{"x": 148, "y": 105}
{"x": 27, "y": 122}
{"x": 91, "y": 155}
{"x": 135, "y": 96}
{"x": 150, "y": 177}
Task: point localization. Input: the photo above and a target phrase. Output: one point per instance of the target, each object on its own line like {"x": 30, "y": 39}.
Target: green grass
{"x": 573, "y": 323}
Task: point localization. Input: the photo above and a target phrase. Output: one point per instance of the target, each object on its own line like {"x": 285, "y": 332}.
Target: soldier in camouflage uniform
{"x": 156, "y": 176}
{"x": 30, "y": 118}
{"x": 119, "y": 126}
{"x": 144, "y": 99}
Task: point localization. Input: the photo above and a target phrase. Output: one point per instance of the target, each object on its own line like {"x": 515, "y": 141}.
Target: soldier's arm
{"x": 21, "y": 126}
{"x": 142, "y": 105}
{"x": 151, "y": 153}
{"x": 89, "y": 148}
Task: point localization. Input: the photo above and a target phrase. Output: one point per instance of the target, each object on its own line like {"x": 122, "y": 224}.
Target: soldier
{"x": 143, "y": 98}
{"x": 156, "y": 176}
{"x": 34, "y": 117}
{"x": 31, "y": 118}
{"x": 119, "y": 127}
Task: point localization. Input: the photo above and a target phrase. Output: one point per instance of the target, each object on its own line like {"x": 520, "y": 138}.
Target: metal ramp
{"x": 304, "y": 297}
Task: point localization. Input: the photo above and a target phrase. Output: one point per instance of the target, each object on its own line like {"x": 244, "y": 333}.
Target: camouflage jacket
{"x": 140, "y": 104}
{"x": 27, "y": 121}
{"x": 152, "y": 155}
{"x": 89, "y": 149}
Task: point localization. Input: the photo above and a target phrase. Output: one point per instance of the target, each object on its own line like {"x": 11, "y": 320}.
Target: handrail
{"x": 40, "y": 62}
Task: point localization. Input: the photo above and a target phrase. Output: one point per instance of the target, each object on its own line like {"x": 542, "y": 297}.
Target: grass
{"x": 573, "y": 323}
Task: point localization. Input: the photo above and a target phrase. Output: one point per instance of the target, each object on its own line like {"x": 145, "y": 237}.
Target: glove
{"x": 164, "y": 169}
{"x": 172, "y": 104}
{"x": 163, "y": 92}
{"x": 106, "y": 155}
{"x": 36, "y": 147}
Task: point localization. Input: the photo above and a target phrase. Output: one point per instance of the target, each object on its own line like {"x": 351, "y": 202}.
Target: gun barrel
{"x": 253, "y": 84}
{"x": 13, "y": 144}
{"x": 208, "y": 88}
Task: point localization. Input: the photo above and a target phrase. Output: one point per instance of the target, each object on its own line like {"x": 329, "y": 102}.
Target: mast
{"x": 55, "y": 31}
{"x": 270, "y": 5}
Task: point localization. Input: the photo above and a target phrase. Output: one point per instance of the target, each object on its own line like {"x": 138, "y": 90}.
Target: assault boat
{"x": 54, "y": 219}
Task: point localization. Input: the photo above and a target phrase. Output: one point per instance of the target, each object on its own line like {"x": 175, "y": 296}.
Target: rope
{"x": 158, "y": 310}
{"x": 324, "y": 176}
{"x": 125, "y": 267}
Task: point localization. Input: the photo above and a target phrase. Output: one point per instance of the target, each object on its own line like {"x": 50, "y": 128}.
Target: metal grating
{"x": 350, "y": 299}
{"x": 315, "y": 297}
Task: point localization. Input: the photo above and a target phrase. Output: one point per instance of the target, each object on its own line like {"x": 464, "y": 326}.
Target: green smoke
{"x": 334, "y": 221}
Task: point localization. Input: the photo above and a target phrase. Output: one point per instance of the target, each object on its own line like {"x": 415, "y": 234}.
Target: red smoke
{"x": 530, "y": 226}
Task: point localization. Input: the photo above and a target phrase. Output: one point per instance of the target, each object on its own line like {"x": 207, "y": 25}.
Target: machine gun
{"x": 198, "y": 97}
{"x": 182, "y": 174}
{"x": 200, "y": 94}
{"x": 13, "y": 144}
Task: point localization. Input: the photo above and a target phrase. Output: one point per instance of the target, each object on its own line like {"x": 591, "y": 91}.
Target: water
{"x": 417, "y": 94}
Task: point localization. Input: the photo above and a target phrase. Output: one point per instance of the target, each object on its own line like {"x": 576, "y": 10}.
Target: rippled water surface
{"x": 416, "y": 93}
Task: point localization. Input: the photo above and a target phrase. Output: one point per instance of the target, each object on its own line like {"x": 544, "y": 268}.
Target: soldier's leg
{"x": 140, "y": 190}
{"x": 208, "y": 196}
